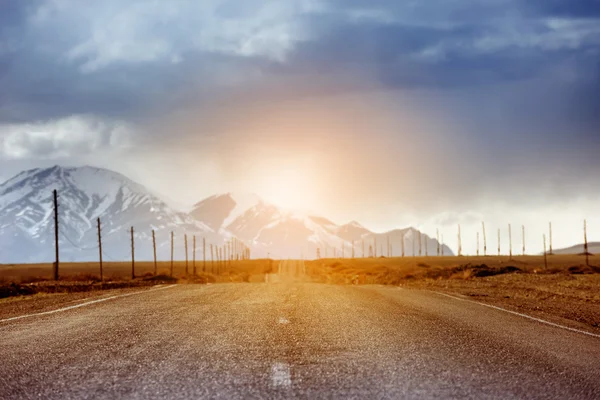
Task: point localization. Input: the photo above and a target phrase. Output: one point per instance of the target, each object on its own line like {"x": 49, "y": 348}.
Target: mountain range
{"x": 87, "y": 193}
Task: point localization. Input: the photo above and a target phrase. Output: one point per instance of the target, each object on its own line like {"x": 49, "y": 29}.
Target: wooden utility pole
{"x": 353, "y": 249}
{"x": 484, "y": 239}
{"x": 420, "y": 237}
{"x": 221, "y": 254}
{"x": 437, "y": 238}
{"x": 389, "y": 249}
{"x": 403, "y": 239}
{"x": 57, "y": 262}
{"x": 477, "y": 244}
{"x": 550, "y": 237}
{"x": 100, "y": 249}
{"x": 186, "y": 253}
{"x": 132, "y": 255}
{"x": 172, "y": 251}
{"x": 204, "y": 254}
{"x": 498, "y": 241}
{"x": 154, "y": 252}
{"x": 459, "y": 242}
{"x": 509, "y": 242}
{"x": 545, "y": 254}
{"x": 585, "y": 244}
{"x": 363, "y": 248}
{"x": 442, "y": 244}
{"x": 412, "y": 240}
{"x": 212, "y": 259}
{"x": 375, "y": 246}
{"x": 194, "y": 255}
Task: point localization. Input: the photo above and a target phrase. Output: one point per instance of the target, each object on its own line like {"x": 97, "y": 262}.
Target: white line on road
{"x": 83, "y": 304}
{"x": 520, "y": 315}
{"x": 280, "y": 375}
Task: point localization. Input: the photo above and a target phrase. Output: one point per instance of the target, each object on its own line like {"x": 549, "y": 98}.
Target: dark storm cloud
{"x": 434, "y": 44}
{"x": 519, "y": 74}
{"x": 565, "y": 8}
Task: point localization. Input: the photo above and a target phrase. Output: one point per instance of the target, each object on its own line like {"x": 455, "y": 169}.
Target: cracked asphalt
{"x": 292, "y": 339}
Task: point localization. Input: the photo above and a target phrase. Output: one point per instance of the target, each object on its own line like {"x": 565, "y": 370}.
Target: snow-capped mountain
{"x": 88, "y": 193}
{"x": 276, "y": 232}
{"x": 219, "y": 211}
{"x": 352, "y": 231}
{"x": 85, "y": 194}
{"x": 411, "y": 240}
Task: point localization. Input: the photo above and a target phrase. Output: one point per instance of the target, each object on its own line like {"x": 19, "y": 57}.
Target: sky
{"x": 430, "y": 113}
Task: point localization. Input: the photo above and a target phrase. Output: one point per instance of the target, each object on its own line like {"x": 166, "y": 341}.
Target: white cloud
{"x": 139, "y": 31}
{"x": 65, "y": 137}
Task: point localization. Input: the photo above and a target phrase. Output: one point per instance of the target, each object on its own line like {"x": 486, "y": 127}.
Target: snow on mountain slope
{"x": 85, "y": 193}
{"x": 219, "y": 211}
{"x": 352, "y": 231}
{"x": 411, "y": 238}
{"x": 277, "y": 232}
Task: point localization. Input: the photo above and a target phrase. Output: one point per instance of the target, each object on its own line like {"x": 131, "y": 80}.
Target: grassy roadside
{"x": 567, "y": 292}
{"x": 29, "y": 279}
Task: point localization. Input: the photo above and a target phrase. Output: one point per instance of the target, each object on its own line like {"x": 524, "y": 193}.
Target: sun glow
{"x": 289, "y": 184}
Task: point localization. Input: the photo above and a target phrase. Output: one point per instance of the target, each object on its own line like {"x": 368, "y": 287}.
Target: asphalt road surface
{"x": 292, "y": 339}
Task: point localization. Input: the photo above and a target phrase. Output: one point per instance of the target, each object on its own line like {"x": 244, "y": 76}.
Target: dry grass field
{"x": 400, "y": 269}
{"x": 235, "y": 271}
{"x": 567, "y": 292}
{"x": 29, "y": 279}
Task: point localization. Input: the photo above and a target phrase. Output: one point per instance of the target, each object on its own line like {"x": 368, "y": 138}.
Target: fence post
{"x": 585, "y": 244}
{"x": 484, "y": 239}
{"x": 132, "y": 255}
{"x": 459, "y": 242}
{"x": 100, "y": 250}
{"x": 172, "y": 249}
{"x": 498, "y": 241}
{"x": 186, "y": 254}
{"x": 403, "y": 240}
{"x": 194, "y": 255}
{"x": 545, "y": 254}
{"x": 57, "y": 262}
{"x": 550, "y": 237}
{"x": 154, "y": 252}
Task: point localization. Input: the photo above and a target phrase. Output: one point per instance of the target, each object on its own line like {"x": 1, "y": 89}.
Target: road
{"x": 292, "y": 339}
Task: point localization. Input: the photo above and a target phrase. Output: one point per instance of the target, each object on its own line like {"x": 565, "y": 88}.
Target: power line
{"x": 109, "y": 257}
{"x": 75, "y": 245}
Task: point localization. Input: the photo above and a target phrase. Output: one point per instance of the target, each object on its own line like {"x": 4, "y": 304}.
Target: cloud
{"x": 139, "y": 58}
{"x": 512, "y": 85}
{"x": 67, "y": 137}
{"x": 139, "y": 31}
